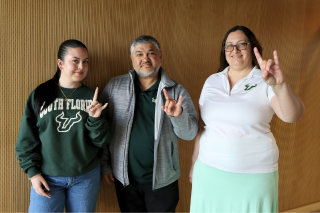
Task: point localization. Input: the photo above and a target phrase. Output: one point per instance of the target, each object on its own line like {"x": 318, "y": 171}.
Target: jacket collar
{"x": 165, "y": 79}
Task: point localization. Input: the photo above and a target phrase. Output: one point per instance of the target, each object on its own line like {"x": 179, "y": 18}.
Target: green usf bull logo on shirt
{"x": 248, "y": 87}
{"x": 67, "y": 123}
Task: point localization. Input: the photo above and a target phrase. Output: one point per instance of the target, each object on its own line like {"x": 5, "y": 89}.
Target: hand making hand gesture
{"x": 271, "y": 72}
{"x": 96, "y": 108}
{"x": 172, "y": 107}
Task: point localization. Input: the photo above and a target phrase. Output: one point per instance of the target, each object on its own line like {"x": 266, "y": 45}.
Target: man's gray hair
{"x": 143, "y": 39}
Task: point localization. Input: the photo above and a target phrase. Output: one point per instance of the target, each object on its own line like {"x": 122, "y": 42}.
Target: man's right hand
{"x": 107, "y": 178}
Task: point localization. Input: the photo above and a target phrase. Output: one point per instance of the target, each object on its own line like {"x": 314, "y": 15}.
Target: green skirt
{"x": 215, "y": 190}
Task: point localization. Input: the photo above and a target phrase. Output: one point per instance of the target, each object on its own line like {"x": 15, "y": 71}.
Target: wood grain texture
{"x": 190, "y": 33}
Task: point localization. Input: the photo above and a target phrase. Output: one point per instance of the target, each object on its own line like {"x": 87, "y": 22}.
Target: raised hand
{"x": 96, "y": 108}
{"x": 172, "y": 107}
{"x": 271, "y": 71}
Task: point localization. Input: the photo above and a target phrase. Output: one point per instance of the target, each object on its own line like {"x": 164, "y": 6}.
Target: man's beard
{"x": 146, "y": 75}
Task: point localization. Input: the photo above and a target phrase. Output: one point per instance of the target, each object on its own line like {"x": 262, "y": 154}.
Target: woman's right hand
{"x": 37, "y": 182}
{"x": 190, "y": 173}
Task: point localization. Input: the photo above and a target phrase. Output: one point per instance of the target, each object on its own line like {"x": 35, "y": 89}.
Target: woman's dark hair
{"x": 253, "y": 43}
{"x": 46, "y": 93}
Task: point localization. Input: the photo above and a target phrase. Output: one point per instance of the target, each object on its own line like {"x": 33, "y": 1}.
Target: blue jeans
{"x": 76, "y": 194}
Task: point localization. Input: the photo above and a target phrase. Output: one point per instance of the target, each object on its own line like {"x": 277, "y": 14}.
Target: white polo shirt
{"x": 237, "y": 135}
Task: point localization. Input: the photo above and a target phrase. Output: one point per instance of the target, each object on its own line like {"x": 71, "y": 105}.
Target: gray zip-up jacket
{"x": 120, "y": 95}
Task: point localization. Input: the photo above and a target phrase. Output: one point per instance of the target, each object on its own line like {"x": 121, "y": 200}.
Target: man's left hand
{"x": 172, "y": 107}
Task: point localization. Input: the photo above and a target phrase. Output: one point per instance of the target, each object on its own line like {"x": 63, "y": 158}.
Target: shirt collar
{"x": 255, "y": 71}
{"x": 153, "y": 87}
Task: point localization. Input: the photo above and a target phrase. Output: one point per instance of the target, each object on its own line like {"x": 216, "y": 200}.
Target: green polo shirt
{"x": 141, "y": 148}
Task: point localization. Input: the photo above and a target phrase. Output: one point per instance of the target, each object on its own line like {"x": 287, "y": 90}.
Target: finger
{"x": 41, "y": 192}
{"x": 180, "y": 101}
{"x": 166, "y": 105}
{"x": 95, "y": 107}
{"x": 166, "y": 95}
{"x": 36, "y": 189}
{"x": 92, "y": 105}
{"x": 107, "y": 179}
{"x": 275, "y": 56}
{"x": 104, "y": 180}
{"x": 264, "y": 75}
{"x": 111, "y": 177}
{"x": 45, "y": 184}
{"x": 46, "y": 194}
{"x": 104, "y": 106}
{"x": 38, "y": 192}
{"x": 269, "y": 64}
{"x": 257, "y": 54}
{"x": 95, "y": 97}
{"x": 171, "y": 106}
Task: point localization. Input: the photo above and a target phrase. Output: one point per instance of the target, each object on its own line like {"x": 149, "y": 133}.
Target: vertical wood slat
{"x": 190, "y": 33}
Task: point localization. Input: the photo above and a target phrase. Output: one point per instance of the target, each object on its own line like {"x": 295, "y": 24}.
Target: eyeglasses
{"x": 240, "y": 46}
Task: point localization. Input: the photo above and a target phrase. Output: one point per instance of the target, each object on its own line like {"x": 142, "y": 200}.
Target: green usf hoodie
{"x": 63, "y": 140}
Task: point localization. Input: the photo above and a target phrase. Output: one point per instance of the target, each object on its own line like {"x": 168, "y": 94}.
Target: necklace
{"x": 67, "y": 97}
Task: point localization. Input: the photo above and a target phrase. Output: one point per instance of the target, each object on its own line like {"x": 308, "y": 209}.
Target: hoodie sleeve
{"x": 99, "y": 129}
{"x": 28, "y": 146}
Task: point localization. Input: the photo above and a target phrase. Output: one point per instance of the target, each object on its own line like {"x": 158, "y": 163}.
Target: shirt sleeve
{"x": 203, "y": 93}
{"x": 28, "y": 146}
{"x": 270, "y": 93}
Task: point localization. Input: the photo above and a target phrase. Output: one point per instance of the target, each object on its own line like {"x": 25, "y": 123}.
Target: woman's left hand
{"x": 271, "y": 71}
{"x": 96, "y": 108}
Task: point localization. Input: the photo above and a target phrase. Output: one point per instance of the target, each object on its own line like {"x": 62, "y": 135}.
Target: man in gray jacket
{"x": 149, "y": 112}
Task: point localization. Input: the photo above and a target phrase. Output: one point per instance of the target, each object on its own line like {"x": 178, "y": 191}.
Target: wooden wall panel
{"x": 190, "y": 33}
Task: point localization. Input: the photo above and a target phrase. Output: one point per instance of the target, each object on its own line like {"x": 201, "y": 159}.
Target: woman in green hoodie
{"x": 61, "y": 135}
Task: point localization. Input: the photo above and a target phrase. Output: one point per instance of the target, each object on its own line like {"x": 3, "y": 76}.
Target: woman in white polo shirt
{"x": 235, "y": 159}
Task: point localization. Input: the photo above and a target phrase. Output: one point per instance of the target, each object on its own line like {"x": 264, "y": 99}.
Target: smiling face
{"x": 74, "y": 66}
{"x": 239, "y": 59}
{"x": 146, "y": 59}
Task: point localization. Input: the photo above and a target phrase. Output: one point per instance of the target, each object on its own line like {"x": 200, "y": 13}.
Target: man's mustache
{"x": 147, "y": 62}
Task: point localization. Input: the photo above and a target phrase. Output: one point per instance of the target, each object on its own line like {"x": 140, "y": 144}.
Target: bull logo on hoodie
{"x": 65, "y": 124}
